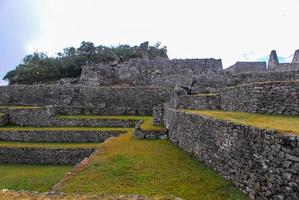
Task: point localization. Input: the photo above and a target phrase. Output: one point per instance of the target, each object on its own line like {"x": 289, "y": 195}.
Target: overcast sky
{"x": 233, "y": 30}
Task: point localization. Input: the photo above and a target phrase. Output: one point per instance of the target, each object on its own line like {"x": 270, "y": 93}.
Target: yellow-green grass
{"x": 46, "y": 145}
{"x": 124, "y": 165}
{"x": 31, "y": 177}
{"x": 146, "y": 125}
{"x": 281, "y": 123}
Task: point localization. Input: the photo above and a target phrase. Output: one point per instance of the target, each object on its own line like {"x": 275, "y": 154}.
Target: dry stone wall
{"x": 3, "y": 119}
{"x": 77, "y": 99}
{"x": 270, "y": 98}
{"x": 43, "y": 156}
{"x": 263, "y": 163}
{"x": 57, "y": 136}
{"x": 199, "y": 102}
{"x": 160, "y": 72}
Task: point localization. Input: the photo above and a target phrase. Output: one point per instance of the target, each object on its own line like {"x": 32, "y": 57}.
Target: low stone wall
{"x": 158, "y": 112}
{"x": 57, "y": 136}
{"x": 128, "y": 100}
{"x": 263, "y": 163}
{"x": 43, "y": 156}
{"x": 269, "y": 97}
{"x": 94, "y": 122}
{"x": 199, "y": 102}
{"x": 42, "y": 116}
{"x": 3, "y": 119}
{"x": 141, "y": 134}
{"x": 46, "y": 116}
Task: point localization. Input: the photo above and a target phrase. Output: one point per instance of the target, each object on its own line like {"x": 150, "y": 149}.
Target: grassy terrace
{"x": 146, "y": 125}
{"x": 282, "y": 123}
{"x": 124, "y": 165}
{"x": 31, "y": 177}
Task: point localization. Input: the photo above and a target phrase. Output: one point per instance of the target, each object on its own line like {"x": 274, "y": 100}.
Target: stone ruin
{"x": 261, "y": 162}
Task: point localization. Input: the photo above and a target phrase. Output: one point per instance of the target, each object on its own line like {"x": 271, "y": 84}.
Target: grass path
{"x": 282, "y": 123}
{"x": 124, "y": 165}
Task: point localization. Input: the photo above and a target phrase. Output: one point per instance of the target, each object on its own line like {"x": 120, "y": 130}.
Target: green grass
{"x": 54, "y": 145}
{"x": 282, "y": 123}
{"x": 31, "y": 177}
{"x": 146, "y": 125}
{"x": 124, "y": 165}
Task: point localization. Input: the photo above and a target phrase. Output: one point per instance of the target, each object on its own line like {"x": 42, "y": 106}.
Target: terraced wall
{"x": 268, "y": 97}
{"x": 79, "y": 99}
{"x": 263, "y": 163}
{"x": 43, "y": 156}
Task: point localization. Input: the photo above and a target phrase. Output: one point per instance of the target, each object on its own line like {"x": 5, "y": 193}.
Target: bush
{"x": 39, "y": 67}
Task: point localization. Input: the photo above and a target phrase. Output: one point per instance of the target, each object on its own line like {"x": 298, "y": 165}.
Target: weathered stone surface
{"x": 296, "y": 57}
{"x": 273, "y": 60}
{"x": 57, "y": 136}
{"x": 158, "y": 112}
{"x": 3, "y": 119}
{"x": 141, "y": 134}
{"x": 88, "y": 100}
{"x": 43, "y": 156}
{"x": 250, "y": 157}
{"x": 244, "y": 67}
{"x": 199, "y": 102}
{"x": 270, "y": 98}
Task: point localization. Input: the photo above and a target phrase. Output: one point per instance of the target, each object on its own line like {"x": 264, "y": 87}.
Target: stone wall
{"x": 160, "y": 72}
{"x": 3, "y": 119}
{"x": 90, "y": 100}
{"x": 141, "y": 134}
{"x": 263, "y": 163}
{"x": 57, "y": 135}
{"x": 43, "y": 156}
{"x": 269, "y": 97}
{"x": 243, "y": 67}
{"x": 200, "y": 101}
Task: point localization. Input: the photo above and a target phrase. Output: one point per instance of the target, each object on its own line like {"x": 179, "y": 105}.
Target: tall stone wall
{"x": 76, "y": 99}
{"x": 263, "y": 163}
{"x": 160, "y": 72}
{"x": 269, "y": 97}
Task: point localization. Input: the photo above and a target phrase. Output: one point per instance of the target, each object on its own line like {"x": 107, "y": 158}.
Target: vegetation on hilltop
{"x": 39, "y": 67}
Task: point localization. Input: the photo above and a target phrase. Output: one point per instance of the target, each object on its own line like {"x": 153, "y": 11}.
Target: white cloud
{"x": 190, "y": 28}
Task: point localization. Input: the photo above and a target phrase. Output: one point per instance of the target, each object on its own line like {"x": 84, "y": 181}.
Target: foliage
{"x": 39, "y": 67}
{"x": 282, "y": 123}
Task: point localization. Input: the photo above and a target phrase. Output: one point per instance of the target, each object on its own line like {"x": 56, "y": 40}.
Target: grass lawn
{"x": 31, "y": 177}
{"x": 124, "y": 165}
{"x": 282, "y": 123}
{"x": 146, "y": 125}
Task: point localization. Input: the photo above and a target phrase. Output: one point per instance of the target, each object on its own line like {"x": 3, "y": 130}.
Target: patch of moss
{"x": 124, "y": 165}
{"x": 281, "y": 123}
{"x": 31, "y": 177}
